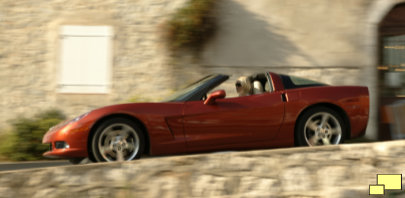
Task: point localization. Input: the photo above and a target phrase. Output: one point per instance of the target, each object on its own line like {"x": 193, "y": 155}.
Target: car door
{"x": 233, "y": 122}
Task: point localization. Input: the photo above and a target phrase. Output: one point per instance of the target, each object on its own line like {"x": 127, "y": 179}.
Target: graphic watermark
{"x": 386, "y": 182}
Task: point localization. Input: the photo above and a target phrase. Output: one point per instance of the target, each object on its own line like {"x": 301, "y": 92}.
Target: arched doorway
{"x": 391, "y": 69}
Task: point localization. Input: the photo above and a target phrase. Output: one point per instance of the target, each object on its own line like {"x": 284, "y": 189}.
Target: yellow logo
{"x": 386, "y": 182}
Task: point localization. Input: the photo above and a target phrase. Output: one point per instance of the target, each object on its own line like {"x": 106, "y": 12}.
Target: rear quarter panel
{"x": 353, "y": 100}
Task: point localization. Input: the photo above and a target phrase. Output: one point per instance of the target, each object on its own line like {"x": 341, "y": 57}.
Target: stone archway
{"x": 375, "y": 13}
{"x": 390, "y": 63}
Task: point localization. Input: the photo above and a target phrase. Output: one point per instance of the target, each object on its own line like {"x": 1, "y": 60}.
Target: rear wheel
{"x": 320, "y": 126}
{"x": 117, "y": 139}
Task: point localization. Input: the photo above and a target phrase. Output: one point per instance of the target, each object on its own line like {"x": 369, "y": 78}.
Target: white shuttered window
{"x": 85, "y": 59}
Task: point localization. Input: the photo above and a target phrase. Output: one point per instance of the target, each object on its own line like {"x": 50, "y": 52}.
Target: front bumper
{"x": 72, "y": 134}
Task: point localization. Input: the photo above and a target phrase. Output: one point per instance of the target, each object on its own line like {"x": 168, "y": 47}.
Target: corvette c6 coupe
{"x": 275, "y": 111}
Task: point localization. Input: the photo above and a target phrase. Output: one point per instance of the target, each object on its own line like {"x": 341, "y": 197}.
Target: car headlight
{"x": 62, "y": 124}
{"x": 79, "y": 117}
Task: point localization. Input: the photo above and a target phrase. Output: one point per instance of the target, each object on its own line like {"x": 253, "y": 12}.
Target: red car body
{"x": 265, "y": 120}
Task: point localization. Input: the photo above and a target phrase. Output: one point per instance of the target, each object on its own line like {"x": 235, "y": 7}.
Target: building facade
{"x": 336, "y": 42}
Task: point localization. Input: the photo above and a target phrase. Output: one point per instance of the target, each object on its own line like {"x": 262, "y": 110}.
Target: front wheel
{"x": 117, "y": 139}
{"x": 320, "y": 126}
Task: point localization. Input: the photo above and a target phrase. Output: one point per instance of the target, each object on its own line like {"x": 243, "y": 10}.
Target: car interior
{"x": 265, "y": 83}
{"x": 246, "y": 85}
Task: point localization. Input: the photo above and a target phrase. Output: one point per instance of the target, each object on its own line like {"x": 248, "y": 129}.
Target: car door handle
{"x": 283, "y": 97}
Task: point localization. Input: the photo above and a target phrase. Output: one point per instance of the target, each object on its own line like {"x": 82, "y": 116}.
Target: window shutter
{"x": 85, "y": 59}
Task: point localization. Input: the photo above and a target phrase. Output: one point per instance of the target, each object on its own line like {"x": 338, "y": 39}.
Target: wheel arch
{"x": 334, "y": 107}
{"x": 118, "y": 115}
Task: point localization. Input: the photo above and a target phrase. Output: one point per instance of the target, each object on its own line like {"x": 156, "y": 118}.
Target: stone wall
{"x": 30, "y": 52}
{"x": 335, "y": 42}
{"x": 342, "y": 171}
{"x": 330, "y": 41}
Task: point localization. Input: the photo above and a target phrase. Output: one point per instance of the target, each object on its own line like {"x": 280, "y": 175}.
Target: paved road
{"x": 7, "y": 166}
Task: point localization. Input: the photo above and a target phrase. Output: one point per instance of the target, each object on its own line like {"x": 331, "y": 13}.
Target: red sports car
{"x": 276, "y": 111}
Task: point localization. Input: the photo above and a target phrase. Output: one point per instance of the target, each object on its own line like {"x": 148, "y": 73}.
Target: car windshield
{"x": 180, "y": 94}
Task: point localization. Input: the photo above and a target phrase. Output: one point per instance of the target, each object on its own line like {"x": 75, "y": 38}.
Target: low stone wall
{"x": 329, "y": 171}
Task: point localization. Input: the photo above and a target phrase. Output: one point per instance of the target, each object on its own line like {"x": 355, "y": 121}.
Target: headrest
{"x": 257, "y": 87}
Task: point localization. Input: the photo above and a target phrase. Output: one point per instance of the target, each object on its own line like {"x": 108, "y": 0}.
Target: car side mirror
{"x": 219, "y": 94}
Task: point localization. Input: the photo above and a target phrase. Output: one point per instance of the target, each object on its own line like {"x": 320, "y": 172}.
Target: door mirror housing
{"x": 219, "y": 94}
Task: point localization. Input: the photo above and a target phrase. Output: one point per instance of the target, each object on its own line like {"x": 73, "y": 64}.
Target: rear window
{"x": 291, "y": 82}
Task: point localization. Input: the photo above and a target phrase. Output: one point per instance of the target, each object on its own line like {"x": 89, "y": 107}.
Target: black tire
{"x": 311, "y": 131}
{"x": 117, "y": 139}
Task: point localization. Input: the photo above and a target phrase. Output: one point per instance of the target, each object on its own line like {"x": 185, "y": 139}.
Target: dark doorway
{"x": 391, "y": 68}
